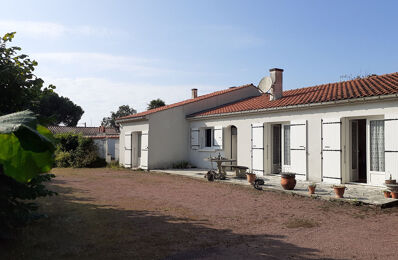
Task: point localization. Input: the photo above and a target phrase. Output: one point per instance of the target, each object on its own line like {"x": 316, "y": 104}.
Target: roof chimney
{"x": 277, "y": 86}
{"x": 194, "y": 93}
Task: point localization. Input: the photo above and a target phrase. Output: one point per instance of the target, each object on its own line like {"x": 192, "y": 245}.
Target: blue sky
{"x": 103, "y": 54}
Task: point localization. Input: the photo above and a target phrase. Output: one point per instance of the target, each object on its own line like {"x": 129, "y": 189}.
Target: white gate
{"x": 391, "y": 145}
{"x": 257, "y": 149}
{"x": 331, "y": 150}
{"x": 298, "y": 148}
{"x": 144, "y": 150}
{"x": 127, "y": 149}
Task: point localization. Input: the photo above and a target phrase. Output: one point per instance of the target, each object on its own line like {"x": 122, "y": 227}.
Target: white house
{"x": 337, "y": 133}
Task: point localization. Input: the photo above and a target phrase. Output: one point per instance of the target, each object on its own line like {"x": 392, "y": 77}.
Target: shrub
{"x": 114, "y": 165}
{"x": 14, "y": 210}
{"x": 180, "y": 165}
{"x": 76, "y": 151}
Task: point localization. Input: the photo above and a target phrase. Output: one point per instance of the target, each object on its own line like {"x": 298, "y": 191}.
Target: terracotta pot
{"x": 251, "y": 177}
{"x": 339, "y": 191}
{"x": 387, "y": 194}
{"x": 288, "y": 182}
{"x": 311, "y": 189}
{"x": 394, "y": 194}
{"x": 390, "y": 181}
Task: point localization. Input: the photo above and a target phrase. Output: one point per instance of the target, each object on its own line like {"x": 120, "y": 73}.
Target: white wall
{"x": 313, "y": 117}
{"x": 168, "y": 138}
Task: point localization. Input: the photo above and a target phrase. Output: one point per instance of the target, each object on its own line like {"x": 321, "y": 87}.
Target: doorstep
{"x": 355, "y": 194}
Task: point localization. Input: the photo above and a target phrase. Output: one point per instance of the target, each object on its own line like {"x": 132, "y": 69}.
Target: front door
{"x": 276, "y": 149}
{"x": 354, "y": 150}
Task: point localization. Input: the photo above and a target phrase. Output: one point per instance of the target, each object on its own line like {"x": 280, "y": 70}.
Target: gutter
{"x": 139, "y": 118}
{"x": 302, "y": 106}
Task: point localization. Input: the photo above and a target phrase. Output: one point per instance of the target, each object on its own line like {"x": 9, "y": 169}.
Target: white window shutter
{"x": 331, "y": 150}
{"x": 391, "y": 145}
{"x": 195, "y": 138}
{"x": 127, "y": 149}
{"x": 298, "y": 148}
{"x": 144, "y": 150}
{"x": 257, "y": 149}
{"x": 218, "y": 137}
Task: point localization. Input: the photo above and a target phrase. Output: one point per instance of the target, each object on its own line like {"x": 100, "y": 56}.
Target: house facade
{"x": 336, "y": 133}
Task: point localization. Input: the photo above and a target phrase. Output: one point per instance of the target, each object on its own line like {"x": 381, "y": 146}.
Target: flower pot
{"x": 288, "y": 181}
{"x": 311, "y": 189}
{"x": 387, "y": 194}
{"x": 394, "y": 194}
{"x": 251, "y": 177}
{"x": 339, "y": 190}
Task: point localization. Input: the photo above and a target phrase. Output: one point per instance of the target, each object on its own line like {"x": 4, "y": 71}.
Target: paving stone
{"x": 355, "y": 193}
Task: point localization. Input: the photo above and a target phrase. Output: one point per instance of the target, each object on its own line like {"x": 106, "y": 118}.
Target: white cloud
{"x": 99, "y": 96}
{"x": 82, "y": 62}
{"x": 49, "y": 29}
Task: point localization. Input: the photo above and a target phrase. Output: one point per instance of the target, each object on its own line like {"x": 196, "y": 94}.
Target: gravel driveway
{"x": 122, "y": 214}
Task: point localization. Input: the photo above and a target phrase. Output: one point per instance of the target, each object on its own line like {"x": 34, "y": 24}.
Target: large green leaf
{"x": 26, "y": 149}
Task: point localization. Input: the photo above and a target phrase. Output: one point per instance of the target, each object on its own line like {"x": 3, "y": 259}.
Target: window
{"x": 208, "y": 137}
{"x": 286, "y": 144}
{"x": 377, "y": 146}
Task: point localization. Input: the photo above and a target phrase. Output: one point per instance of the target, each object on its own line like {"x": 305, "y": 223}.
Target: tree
{"x": 58, "y": 110}
{"x": 156, "y": 103}
{"x": 124, "y": 110}
{"x": 20, "y": 89}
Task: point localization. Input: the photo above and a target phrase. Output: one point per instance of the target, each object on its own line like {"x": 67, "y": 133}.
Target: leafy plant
{"x": 26, "y": 148}
{"x": 75, "y": 150}
{"x": 26, "y": 154}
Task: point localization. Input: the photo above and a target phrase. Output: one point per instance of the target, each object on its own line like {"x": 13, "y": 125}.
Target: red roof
{"x": 85, "y": 131}
{"x": 151, "y": 111}
{"x": 365, "y": 87}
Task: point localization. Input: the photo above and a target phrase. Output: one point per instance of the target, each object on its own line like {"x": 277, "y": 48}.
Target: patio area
{"x": 356, "y": 194}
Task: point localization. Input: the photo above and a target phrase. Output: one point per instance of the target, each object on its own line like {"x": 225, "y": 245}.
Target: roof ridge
{"x": 187, "y": 101}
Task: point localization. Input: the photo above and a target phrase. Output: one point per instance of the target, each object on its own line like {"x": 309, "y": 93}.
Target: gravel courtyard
{"x": 123, "y": 214}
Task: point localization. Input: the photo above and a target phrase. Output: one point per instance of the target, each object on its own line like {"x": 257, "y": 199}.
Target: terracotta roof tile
{"x": 151, "y": 111}
{"x": 365, "y": 87}
{"x": 85, "y": 131}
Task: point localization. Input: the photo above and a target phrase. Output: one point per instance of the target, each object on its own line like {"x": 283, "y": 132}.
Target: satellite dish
{"x": 265, "y": 84}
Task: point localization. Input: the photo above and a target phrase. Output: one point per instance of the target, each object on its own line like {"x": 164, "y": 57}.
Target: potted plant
{"x": 288, "y": 181}
{"x": 394, "y": 194}
{"x": 311, "y": 188}
{"x": 390, "y": 181}
{"x": 387, "y": 194}
{"x": 339, "y": 190}
{"x": 251, "y": 177}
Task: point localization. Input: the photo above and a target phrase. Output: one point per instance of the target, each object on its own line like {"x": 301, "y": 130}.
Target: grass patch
{"x": 301, "y": 223}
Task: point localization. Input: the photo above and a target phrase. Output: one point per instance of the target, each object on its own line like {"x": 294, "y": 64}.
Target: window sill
{"x": 209, "y": 149}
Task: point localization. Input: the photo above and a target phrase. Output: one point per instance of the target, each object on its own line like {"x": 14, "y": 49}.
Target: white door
{"x": 257, "y": 149}
{"x": 331, "y": 150}
{"x": 391, "y": 146}
{"x": 127, "y": 149}
{"x": 298, "y": 148}
{"x": 144, "y": 150}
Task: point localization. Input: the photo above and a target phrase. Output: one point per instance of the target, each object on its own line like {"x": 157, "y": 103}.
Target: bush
{"x": 76, "y": 151}
{"x": 180, "y": 165}
{"x": 14, "y": 210}
{"x": 114, "y": 165}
